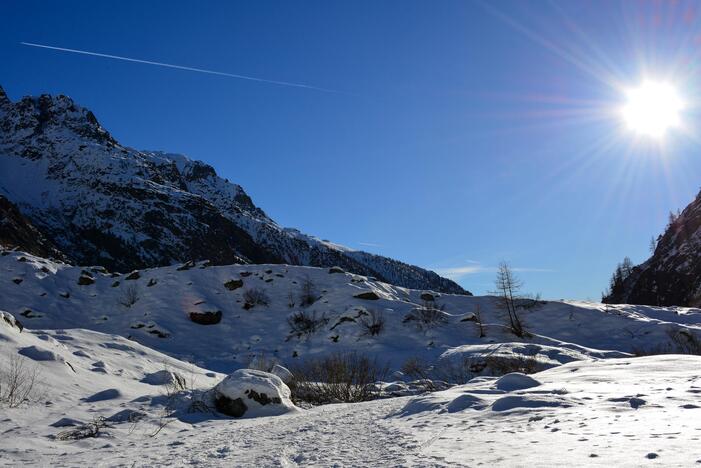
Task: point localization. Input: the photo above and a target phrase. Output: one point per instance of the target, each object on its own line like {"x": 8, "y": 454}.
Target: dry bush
{"x": 18, "y": 382}
{"x": 374, "y": 323}
{"x": 91, "y": 429}
{"x": 255, "y": 296}
{"x": 462, "y": 370}
{"x": 684, "y": 342}
{"x": 130, "y": 296}
{"x": 348, "y": 378}
{"x": 681, "y": 341}
{"x": 308, "y": 293}
{"x": 502, "y": 365}
{"x": 430, "y": 315}
{"x": 303, "y": 322}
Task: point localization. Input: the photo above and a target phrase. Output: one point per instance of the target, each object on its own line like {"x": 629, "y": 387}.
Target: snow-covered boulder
{"x": 252, "y": 393}
{"x": 282, "y": 372}
{"x": 165, "y": 377}
{"x": 10, "y": 320}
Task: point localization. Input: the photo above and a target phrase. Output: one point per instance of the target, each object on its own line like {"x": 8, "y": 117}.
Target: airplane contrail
{"x": 180, "y": 67}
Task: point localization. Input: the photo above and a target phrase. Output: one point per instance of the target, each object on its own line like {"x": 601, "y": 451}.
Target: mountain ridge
{"x": 103, "y": 203}
{"x": 672, "y": 274}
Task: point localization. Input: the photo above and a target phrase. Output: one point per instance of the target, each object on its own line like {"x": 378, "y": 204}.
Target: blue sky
{"x": 463, "y": 132}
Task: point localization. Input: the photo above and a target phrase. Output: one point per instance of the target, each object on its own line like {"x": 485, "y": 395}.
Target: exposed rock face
{"x": 16, "y": 231}
{"x": 672, "y": 276}
{"x": 102, "y": 203}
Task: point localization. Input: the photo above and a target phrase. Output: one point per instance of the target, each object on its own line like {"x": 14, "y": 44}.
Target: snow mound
{"x": 252, "y": 393}
{"x": 516, "y": 381}
{"x": 466, "y": 401}
{"x": 38, "y": 353}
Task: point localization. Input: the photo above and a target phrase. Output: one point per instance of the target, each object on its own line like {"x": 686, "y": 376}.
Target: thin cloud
{"x": 369, "y": 244}
{"x": 473, "y": 268}
{"x": 181, "y": 67}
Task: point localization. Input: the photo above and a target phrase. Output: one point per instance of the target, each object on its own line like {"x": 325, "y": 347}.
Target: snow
{"x": 147, "y": 369}
{"x": 516, "y": 381}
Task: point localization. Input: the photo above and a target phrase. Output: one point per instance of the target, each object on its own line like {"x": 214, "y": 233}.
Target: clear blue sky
{"x": 465, "y": 132}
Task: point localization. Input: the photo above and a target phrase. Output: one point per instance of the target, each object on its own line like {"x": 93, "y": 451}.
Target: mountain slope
{"x": 163, "y": 308}
{"x": 17, "y": 232}
{"x": 102, "y": 203}
{"x": 672, "y": 275}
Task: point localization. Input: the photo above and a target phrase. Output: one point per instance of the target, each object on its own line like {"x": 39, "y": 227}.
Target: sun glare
{"x": 652, "y": 109}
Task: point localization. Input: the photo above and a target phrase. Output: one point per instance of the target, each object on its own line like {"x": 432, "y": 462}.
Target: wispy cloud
{"x": 472, "y": 268}
{"x": 369, "y": 244}
{"x": 181, "y": 67}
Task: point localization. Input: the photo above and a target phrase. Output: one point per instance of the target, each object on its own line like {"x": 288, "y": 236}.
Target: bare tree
{"x": 18, "y": 383}
{"x": 508, "y": 287}
{"x": 478, "y": 319}
{"x": 130, "y": 296}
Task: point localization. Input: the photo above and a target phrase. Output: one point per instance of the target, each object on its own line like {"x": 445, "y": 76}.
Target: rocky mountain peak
{"x": 105, "y": 204}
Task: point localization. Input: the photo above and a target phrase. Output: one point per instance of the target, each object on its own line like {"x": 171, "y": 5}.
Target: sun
{"x": 652, "y": 109}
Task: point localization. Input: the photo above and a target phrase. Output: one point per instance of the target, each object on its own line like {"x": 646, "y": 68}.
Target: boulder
{"x": 336, "y": 269}
{"x": 206, "y": 318}
{"x": 85, "y": 280}
{"x": 233, "y": 284}
{"x": 367, "y": 295}
{"x": 11, "y": 321}
{"x": 427, "y": 296}
{"x": 134, "y": 275}
{"x": 165, "y": 377}
{"x": 252, "y": 393}
{"x": 282, "y": 372}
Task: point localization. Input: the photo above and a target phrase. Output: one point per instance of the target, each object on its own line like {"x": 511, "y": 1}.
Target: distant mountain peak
{"x": 105, "y": 204}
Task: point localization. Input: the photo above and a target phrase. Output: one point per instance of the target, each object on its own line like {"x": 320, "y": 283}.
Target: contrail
{"x": 180, "y": 67}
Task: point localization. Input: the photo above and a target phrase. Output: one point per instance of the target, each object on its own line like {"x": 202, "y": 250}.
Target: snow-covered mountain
{"x": 672, "y": 275}
{"x": 102, "y": 203}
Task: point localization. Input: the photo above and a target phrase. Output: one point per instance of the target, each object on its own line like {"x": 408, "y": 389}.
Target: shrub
{"x": 91, "y": 429}
{"x": 684, "y": 342}
{"x": 373, "y": 323}
{"x": 253, "y": 297}
{"x": 462, "y": 370}
{"x": 308, "y": 294}
{"x": 130, "y": 296}
{"x": 18, "y": 383}
{"x": 681, "y": 341}
{"x": 348, "y": 378}
{"x": 428, "y": 316}
{"x": 304, "y": 322}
